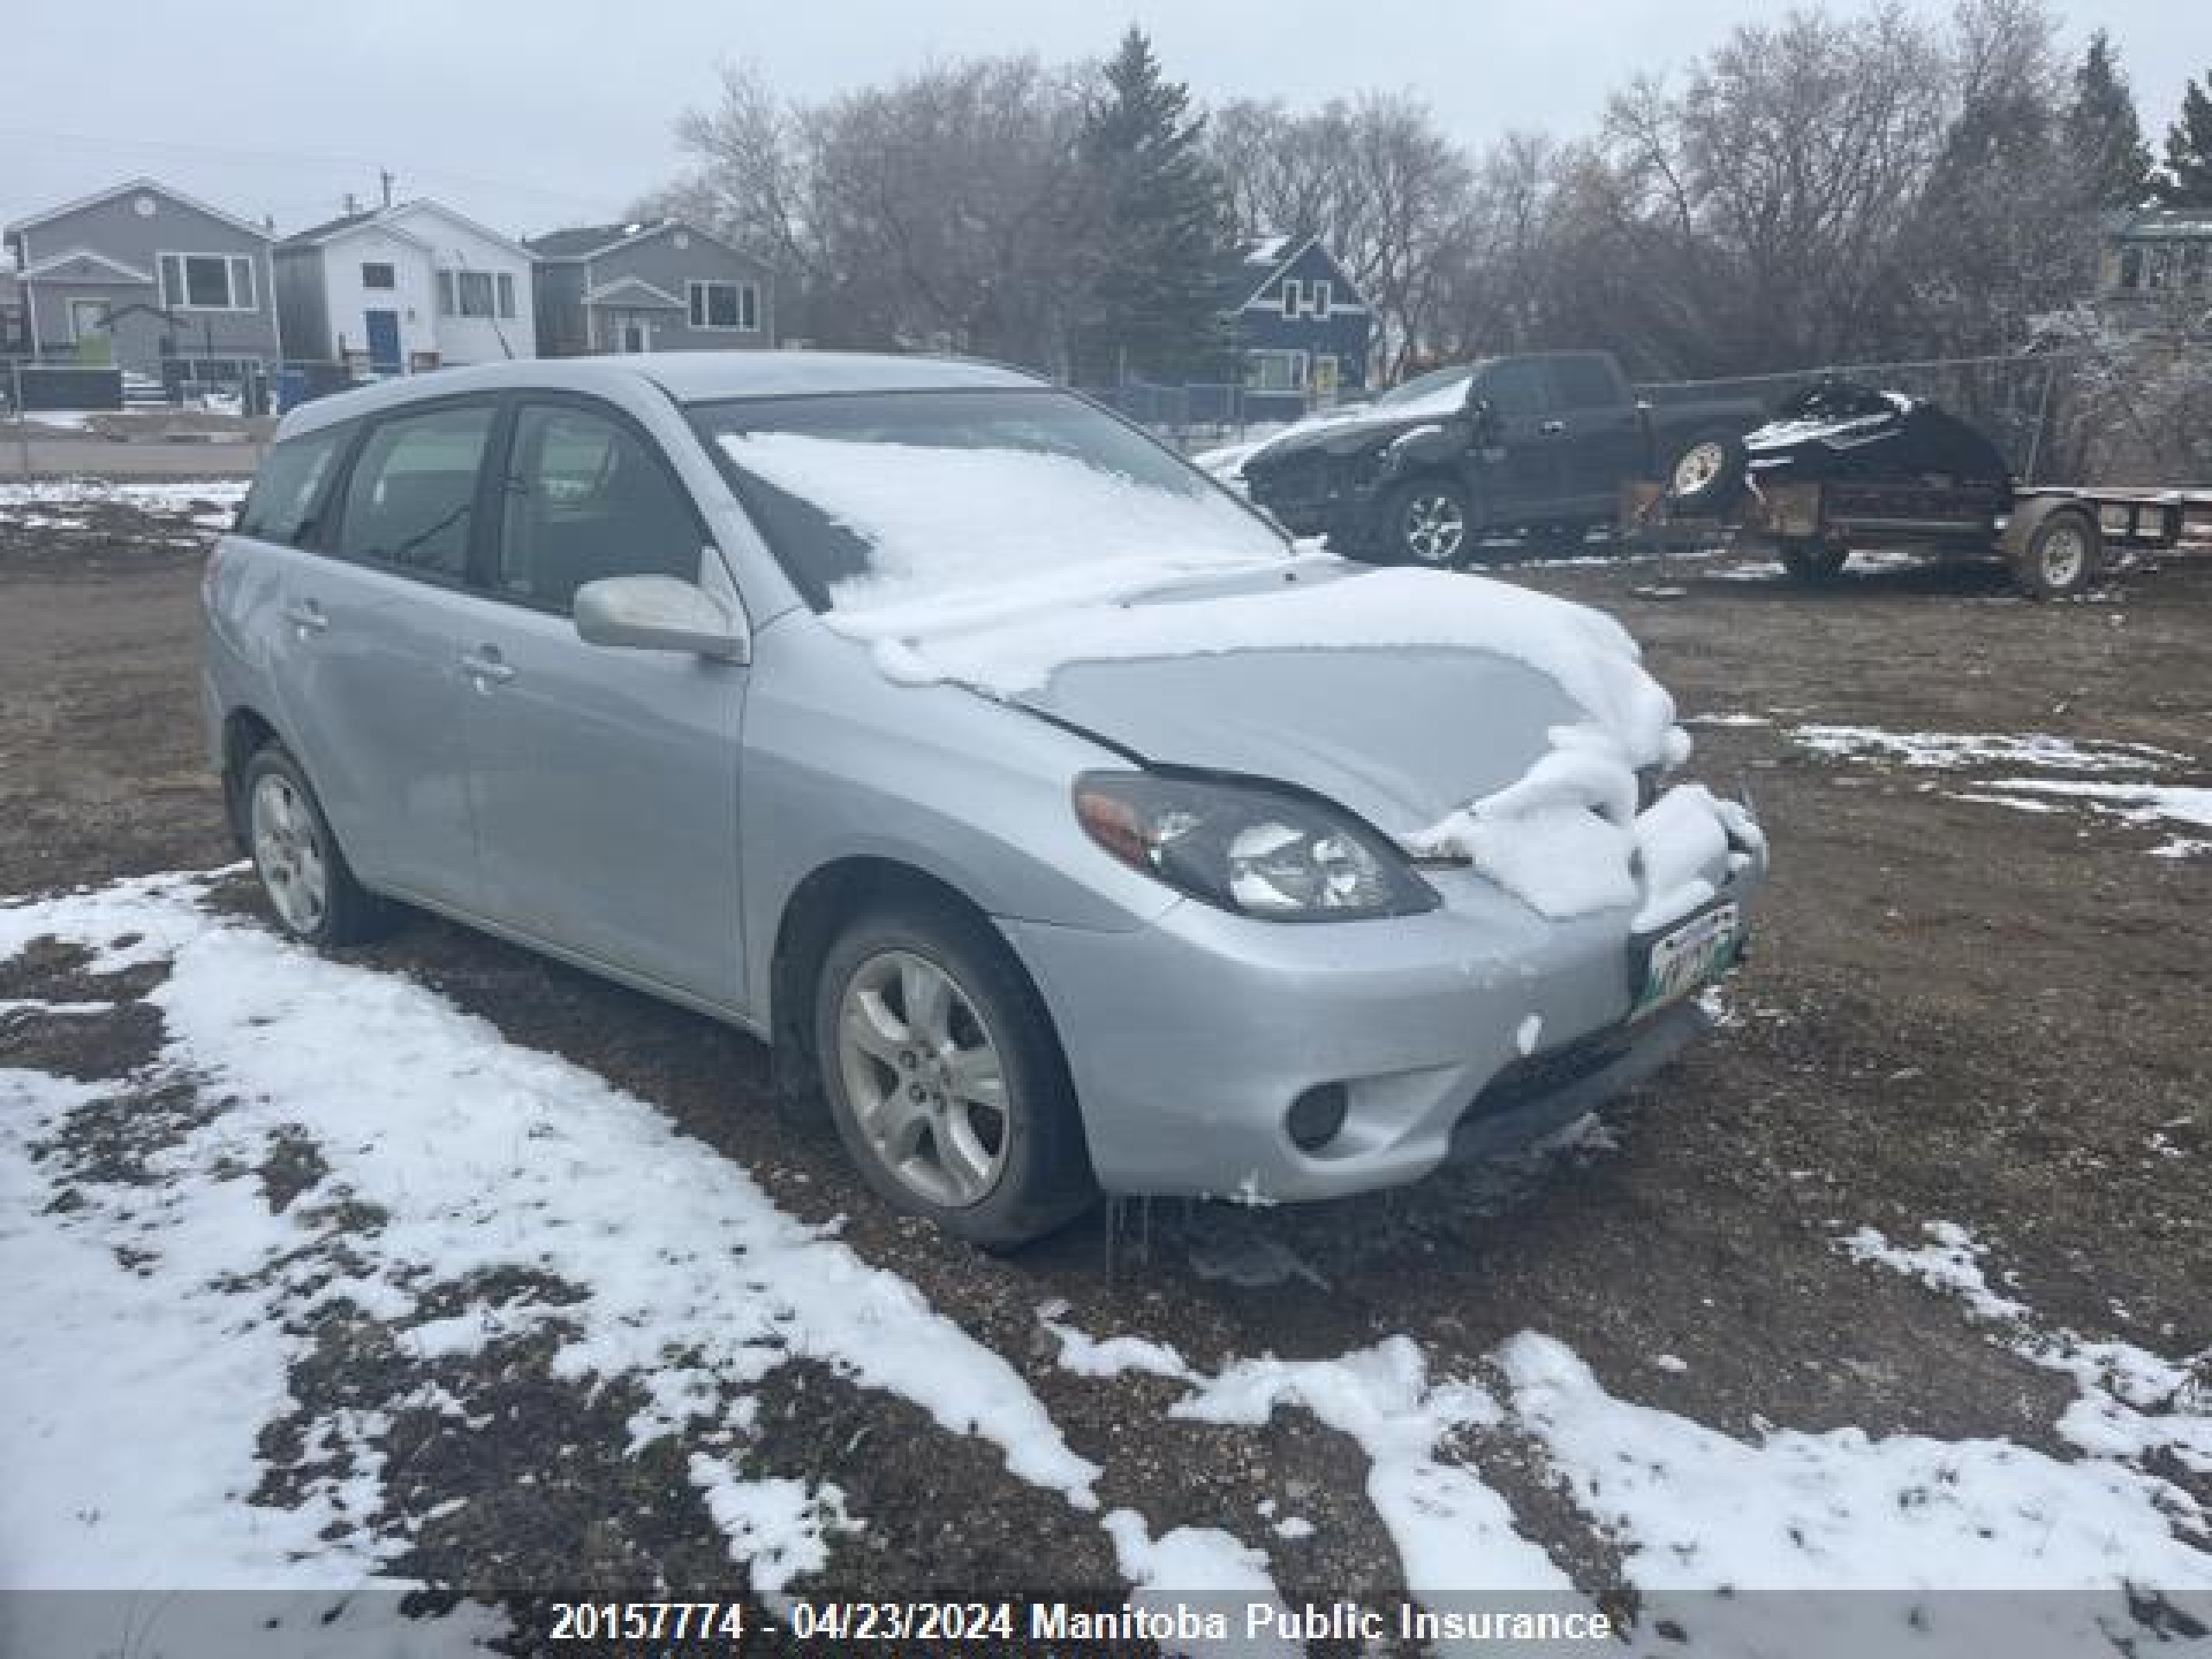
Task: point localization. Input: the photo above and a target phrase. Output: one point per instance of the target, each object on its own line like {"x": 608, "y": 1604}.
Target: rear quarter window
{"x": 287, "y": 495}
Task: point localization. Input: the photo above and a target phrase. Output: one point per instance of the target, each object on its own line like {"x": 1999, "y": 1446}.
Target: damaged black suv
{"x": 1542, "y": 444}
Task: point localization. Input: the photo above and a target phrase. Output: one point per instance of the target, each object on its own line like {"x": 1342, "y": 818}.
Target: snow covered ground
{"x": 2138, "y": 801}
{"x": 61, "y": 503}
{"x": 145, "y": 1265}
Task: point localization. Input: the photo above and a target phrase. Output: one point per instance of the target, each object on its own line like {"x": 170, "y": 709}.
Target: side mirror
{"x": 659, "y": 613}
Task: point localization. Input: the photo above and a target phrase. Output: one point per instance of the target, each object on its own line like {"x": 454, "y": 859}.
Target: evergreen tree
{"x": 1161, "y": 241}
{"x": 2187, "y": 181}
{"x": 2103, "y": 132}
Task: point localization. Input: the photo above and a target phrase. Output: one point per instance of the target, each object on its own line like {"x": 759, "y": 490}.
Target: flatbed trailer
{"x": 2056, "y": 540}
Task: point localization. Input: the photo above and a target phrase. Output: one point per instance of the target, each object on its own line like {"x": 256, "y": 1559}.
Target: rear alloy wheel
{"x": 2062, "y": 556}
{"x": 1428, "y": 521}
{"x": 310, "y": 886}
{"x": 1810, "y": 560}
{"x": 945, "y": 1080}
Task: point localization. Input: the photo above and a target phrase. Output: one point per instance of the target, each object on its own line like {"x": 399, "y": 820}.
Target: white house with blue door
{"x": 1295, "y": 320}
{"x": 405, "y": 288}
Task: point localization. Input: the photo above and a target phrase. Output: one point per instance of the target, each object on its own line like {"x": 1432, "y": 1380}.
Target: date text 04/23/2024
{"x": 709, "y": 1625}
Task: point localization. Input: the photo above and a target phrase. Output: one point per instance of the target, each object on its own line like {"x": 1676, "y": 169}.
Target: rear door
{"x": 1599, "y": 436}
{"x": 604, "y": 779}
{"x": 371, "y": 683}
{"x": 1516, "y": 464}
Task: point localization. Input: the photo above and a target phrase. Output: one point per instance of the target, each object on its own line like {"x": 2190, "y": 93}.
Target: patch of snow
{"x": 1088, "y": 1356}
{"x": 1952, "y": 750}
{"x": 1528, "y": 1033}
{"x": 1454, "y": 1535}
{"x": 483, "y": 1155}
{"x": 1726, "y": 720}
{"x": 167, "y": 496}
{"x": 778, "y": 1529}
{"x": 2134, "y": 803}
{"x": 1198, "y": 1567}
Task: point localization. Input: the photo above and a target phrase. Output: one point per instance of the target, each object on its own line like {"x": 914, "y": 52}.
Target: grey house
{"x": 144, "y": 277}
{"x": 662, "y": 287}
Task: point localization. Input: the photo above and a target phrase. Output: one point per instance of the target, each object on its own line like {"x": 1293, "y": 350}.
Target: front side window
{"x": 287, "y": 490}
{"x": 413, "y": 493}
{"x": 724, "y": 305}
{"x": 878, "y": 499}
{"x": 207, "y": 282}
{"x": 1515, "y": 388}
{"x": 587, "y": 498}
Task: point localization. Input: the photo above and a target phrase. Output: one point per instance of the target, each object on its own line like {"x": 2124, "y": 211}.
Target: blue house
{"x": 1296, "y": 323}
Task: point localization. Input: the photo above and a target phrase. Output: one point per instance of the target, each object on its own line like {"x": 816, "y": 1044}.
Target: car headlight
{"x": 1248, "y": 849}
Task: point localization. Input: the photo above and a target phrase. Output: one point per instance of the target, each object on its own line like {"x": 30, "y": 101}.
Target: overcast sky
{"x": 533, "y": 113}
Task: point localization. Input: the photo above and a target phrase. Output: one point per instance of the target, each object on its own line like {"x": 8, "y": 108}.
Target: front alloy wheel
{"x": 945, "y": 1078}
{"x": 1429, "y": 522}
{"x": 924, "y": 1077}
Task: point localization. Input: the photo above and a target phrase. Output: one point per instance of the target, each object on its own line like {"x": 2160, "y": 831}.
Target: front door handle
{"x": 306, "y": 616}
{"x": 486, "y": 667}
{"x": 1553, "y": 429}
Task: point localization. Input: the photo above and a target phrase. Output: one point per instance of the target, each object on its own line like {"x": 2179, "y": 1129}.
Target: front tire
{"x": 1428, "y": 521}
{"x": 945, "y": 1080}
{"x": 310, "y": 885}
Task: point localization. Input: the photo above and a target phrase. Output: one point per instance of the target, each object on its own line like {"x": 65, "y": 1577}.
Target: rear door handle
{"x": 485, "y": 666}
{"x": 306, "y": 616}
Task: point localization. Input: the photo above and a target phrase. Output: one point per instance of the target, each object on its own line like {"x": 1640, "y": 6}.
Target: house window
{"x": 1294, "y": 296}
{"x": 472, "y": 294}
{"x": 375, "y": 275}
{"x": 206, "y": 282}
{"x": 2131, "y": 266}
{"x": 724, "y": 305}
{"x": 1274, "y": 371}
{"x": 506, "y": 294}
{"x": 1320, "y": 298}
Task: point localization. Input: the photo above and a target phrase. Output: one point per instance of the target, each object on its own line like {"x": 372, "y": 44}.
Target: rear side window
{"x": 1584, "y": 383}
{"x": 413, "y": 492}
{"x": 288, "y": 490}
{"x": 587, "y": 498}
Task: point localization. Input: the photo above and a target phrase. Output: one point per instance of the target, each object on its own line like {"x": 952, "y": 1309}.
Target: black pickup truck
{"x": 1541, "y": 444}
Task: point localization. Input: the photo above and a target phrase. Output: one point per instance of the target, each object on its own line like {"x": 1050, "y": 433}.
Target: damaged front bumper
{"x": 1197, "y": 1043}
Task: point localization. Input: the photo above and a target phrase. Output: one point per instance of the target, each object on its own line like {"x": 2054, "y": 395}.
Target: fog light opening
{"x": 1316, "y": 1116}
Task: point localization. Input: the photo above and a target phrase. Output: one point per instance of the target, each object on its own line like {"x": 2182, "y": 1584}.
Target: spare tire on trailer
{"x": 2055, "y": 546}
{"x": 1706, "y": 474}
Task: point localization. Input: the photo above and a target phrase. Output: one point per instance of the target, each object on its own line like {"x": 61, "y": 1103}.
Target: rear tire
{"x": 310, "y": 888}
{"x": 1813, "y": 562}
{"x": 944, "y": 1078}
{"x": 2063, "y": 556}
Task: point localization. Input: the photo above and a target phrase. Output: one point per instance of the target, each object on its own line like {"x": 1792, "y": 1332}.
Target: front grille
{"x": 1541, "y": 1075}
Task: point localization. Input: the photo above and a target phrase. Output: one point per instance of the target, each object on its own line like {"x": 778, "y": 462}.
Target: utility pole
{"x": 383, "y": 176}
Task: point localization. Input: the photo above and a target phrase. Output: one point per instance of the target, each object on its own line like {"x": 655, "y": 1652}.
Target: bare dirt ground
{"x": 1953, "y": 1010}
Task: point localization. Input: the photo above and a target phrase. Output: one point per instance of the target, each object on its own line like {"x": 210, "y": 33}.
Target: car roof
{"x": 687, "y": 377}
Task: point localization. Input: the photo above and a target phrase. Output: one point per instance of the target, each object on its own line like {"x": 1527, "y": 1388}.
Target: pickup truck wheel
{"x": 1706, "y": 474}
{"x": 1428, "y": 521}
{"x": 310, "y": 885}
{"x": 2062, "y": 556}
{"x": 1809, "y": 560}
{"x": 945, "y": 1080}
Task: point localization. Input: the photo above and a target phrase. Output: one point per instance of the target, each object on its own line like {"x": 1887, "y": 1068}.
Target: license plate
{"x": 1699, "y": 950}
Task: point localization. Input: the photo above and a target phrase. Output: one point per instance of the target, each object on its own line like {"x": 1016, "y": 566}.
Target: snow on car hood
{"x": 1468, "y": 718}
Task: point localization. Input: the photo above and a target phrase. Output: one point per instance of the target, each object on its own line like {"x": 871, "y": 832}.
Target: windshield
{"x": 876, "y": 499}
{"x": 1446, "y": 387}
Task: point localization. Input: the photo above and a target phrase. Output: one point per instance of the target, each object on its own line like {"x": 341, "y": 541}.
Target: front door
{"x": 384, "y": 340}
{"x": 604, "y": 780}
{"x": 1517, "y": 464}
{"x": 637, "y": 335}
{"x": 89, "y": 327}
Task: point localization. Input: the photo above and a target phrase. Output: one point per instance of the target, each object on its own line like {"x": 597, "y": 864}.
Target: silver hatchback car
{"x": 1070, "y": 826}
